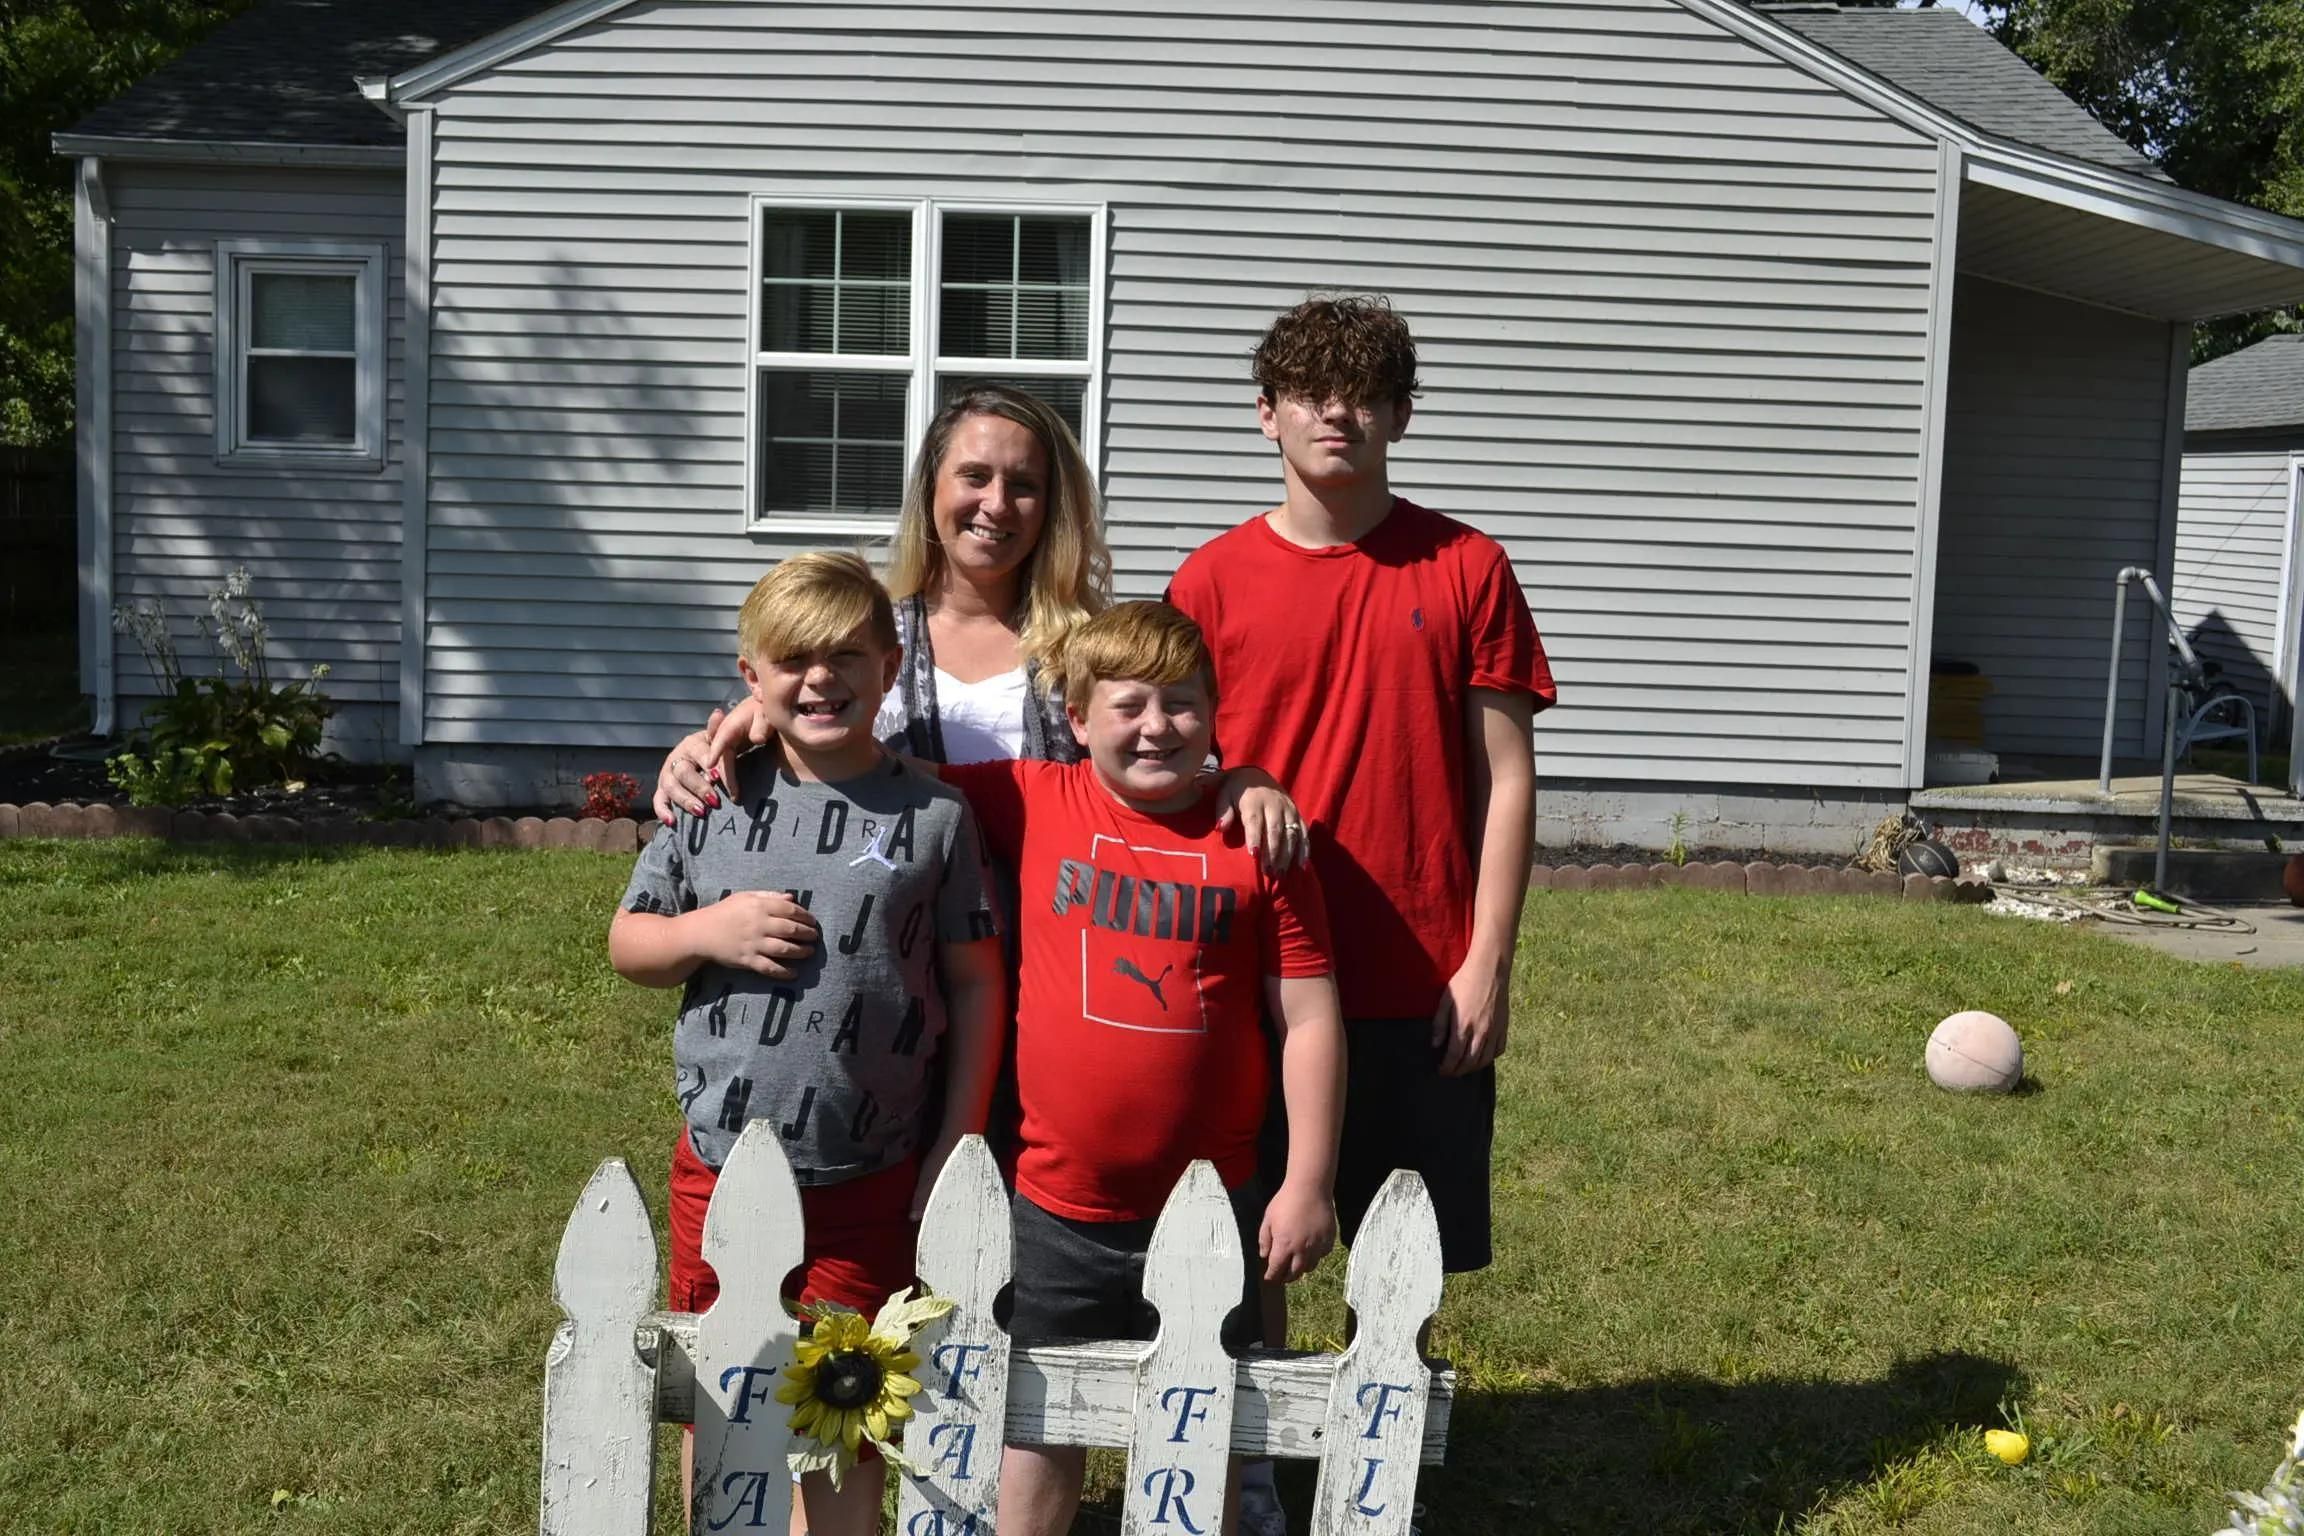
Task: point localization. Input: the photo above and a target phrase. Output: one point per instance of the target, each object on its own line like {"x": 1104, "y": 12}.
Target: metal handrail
{"x": 2169, "y": 708}
{"x": 2120, "y": 624}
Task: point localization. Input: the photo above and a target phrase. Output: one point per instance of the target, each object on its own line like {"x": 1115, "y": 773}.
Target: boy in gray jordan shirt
{"x": 871, "y": 1045}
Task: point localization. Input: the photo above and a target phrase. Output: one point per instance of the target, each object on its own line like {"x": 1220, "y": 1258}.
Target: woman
{"x": 998, "y": 556}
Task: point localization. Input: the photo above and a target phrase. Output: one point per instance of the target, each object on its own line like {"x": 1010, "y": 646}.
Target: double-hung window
{"x": 300, "y": 353}
{"x": 867, "y": 316}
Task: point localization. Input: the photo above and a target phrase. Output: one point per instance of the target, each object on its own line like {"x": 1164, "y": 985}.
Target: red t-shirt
{"x": 1144, "y": 942}
{"x": 1343, "y": 672}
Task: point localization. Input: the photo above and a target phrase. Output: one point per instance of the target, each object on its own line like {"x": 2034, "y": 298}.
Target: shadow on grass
{"x": 1686, "y": 1454}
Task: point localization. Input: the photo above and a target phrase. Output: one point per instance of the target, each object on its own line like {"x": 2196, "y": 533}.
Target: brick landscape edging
{"x": 626, "y": 836}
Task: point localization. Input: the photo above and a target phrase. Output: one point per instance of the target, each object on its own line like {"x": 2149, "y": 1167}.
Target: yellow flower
{"x": 849, "y": 1381}
{"x": 2008, "y": 1445}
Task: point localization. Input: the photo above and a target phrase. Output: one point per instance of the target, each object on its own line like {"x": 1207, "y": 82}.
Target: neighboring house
{"x": 1782, "y": 347}
{"x": 2239, "y": 572}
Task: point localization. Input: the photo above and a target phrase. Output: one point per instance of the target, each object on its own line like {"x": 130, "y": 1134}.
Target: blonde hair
{"x": 1140, "y": 642}
{"x": 1067, "y": 579}
{"x": 811, "y": 603}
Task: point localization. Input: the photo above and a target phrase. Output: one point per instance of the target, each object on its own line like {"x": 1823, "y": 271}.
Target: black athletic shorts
{"x": 1399, "y": 1112}
{"x": 1085, "y": 1279}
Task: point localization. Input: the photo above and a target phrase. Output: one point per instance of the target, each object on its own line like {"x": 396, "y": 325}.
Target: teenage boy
{"x": 1392, "y": 692}
{"x": 878, "y": 1054}
{"x": 1151, "y": 949}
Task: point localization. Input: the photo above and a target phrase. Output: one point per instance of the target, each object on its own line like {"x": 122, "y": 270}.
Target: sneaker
{"x": 1260, "y": 1511}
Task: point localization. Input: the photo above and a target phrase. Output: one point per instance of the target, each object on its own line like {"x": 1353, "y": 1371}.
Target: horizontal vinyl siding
{"x": 322, "y": 546}
{"x": 2231, "y": 547}
{"x": 1671, "y": 297}
{"x": 2053, "y": 461}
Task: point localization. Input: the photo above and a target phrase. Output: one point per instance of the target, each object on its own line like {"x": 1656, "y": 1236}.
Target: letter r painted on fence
{"x": 959, "y": 1452}
{"x": 958, "y": 1367}
{"x": 1171, "y": 1496}
{"x": 1186, "y": 1414}
{"x": 748, "y": 1394}
{"x": 1384, "y": 1406}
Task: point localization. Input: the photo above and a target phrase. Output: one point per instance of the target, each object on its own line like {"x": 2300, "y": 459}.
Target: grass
{"x": 289, "y": 1140}
{"x": 40, "y": 689}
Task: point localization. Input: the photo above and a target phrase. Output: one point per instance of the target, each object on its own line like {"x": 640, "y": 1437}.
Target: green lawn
{"x": 287, "y": 1141}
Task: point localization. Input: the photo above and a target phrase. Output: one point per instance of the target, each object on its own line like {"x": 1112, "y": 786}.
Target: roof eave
{"x": 2137, "y": 200}
{"x": 231, "y": 151}
{"x": 437, "y": 74}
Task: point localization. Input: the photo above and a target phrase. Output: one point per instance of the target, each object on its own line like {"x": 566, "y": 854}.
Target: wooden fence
{"x": 38, "y": 541}
{"x": 1179, "y": 1406}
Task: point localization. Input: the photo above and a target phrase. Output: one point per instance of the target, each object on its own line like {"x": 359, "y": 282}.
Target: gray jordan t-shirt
{"x": 843, "y": 1058}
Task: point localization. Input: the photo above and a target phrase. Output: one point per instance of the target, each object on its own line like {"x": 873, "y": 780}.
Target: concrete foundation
{"x": 1824, "y": 823}
{"x": 496, "y": 778}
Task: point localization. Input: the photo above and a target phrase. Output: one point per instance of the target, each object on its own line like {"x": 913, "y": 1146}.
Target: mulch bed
{"x": 46, "y": 795}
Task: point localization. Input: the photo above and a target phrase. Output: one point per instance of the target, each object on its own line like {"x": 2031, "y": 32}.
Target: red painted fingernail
{"x": 667, "y": 821}
{"x": 712, "y": 801}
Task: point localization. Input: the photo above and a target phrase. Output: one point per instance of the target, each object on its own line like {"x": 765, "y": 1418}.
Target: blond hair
{"x": 1140, "y": 642}
{"x": 1067, "y": 579}
{"x": 813, "y": 602}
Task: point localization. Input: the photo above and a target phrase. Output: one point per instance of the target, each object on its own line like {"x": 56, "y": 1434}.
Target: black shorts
{"x": 1085, "y": 1279}
{"x": 1399, "y": 1112}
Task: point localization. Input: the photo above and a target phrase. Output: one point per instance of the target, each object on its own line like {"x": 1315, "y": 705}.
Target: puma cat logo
{"x": 1126, "y": 967}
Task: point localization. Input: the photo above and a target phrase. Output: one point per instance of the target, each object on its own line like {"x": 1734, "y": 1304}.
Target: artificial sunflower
{"x": 851, "y": 1381}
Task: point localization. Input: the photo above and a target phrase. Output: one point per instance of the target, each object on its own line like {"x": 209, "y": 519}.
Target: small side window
{"x": 300, "y": 354}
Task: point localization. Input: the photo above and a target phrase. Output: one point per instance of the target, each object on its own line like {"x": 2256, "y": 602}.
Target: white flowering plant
{"x": 2279, "y": 1509}
{"x": 209, "y": 734}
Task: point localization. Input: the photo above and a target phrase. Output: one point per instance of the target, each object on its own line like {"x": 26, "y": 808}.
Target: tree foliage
{"x": 59, "y": 60}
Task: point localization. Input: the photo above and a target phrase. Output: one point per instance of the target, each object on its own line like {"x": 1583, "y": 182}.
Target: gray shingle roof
{"x": 2255, "y": 387}
{"x": 1957, "y": 67}
{"x": 282, "y": 72}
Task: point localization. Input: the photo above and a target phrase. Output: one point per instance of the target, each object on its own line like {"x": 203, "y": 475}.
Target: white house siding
{"x": 2232, "y": 535}
{"x": 322, "y": 545}
{"x": 2054, "y": 456}
{"x": 1671, "y": 293}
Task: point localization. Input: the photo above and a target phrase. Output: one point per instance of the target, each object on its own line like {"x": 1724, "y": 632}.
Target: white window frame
{"x": 237, "y": 262}
{"x": 923, "y": 363}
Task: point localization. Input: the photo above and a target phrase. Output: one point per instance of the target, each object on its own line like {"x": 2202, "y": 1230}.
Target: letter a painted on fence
{"x": 1375, "y": 1432}
{"x": 960, "y": 1417}
{"x": 752, "y": 1240}
{"x": 1185, "y": 1384}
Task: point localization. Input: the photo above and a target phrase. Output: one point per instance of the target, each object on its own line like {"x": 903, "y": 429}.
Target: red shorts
{"x": 859, "y": 1247}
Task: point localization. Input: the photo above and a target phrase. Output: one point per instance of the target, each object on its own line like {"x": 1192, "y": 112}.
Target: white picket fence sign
{"x": 1179, "y": 1406}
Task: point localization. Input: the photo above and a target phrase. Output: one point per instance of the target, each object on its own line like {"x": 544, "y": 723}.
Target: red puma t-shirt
{"x": 1144, "y": 942}
{"x": 1344, "y": 673}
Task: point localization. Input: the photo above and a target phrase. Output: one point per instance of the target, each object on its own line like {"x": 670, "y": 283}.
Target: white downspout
{"x": 92, "y": 328}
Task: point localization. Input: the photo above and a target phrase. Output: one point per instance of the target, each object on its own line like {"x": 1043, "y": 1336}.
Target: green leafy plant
{"x": 170, "y": 775}
{"x": 245, "y": 729}
{"x": 1678, "y": 852}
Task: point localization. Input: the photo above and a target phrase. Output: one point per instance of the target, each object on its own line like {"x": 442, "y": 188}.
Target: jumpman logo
{"x": 875, "y": 850}
{"x": 1126, "y": 967}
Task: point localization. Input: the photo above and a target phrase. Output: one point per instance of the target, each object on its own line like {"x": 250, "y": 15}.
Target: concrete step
{"x": 2203, "y": 874}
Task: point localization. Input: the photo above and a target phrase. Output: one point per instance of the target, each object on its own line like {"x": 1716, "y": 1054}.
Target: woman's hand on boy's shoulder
{"x": 1269, "y": 822}
{"x": 702, "y": 766}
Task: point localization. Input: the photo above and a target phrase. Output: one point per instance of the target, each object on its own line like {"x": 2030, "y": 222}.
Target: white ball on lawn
{"x": 1975, "y": 1052}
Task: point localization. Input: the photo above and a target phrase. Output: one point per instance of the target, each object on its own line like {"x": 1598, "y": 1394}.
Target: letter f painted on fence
{"x": 958, "y": 1366}
{"x": 1385, "y": 1409}
{"x": 748, "y": 1394}
{"x": 1188, "y": 1413}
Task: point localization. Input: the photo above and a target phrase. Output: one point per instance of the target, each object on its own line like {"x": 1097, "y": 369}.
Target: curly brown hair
{"x": 1352, "y": 347}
